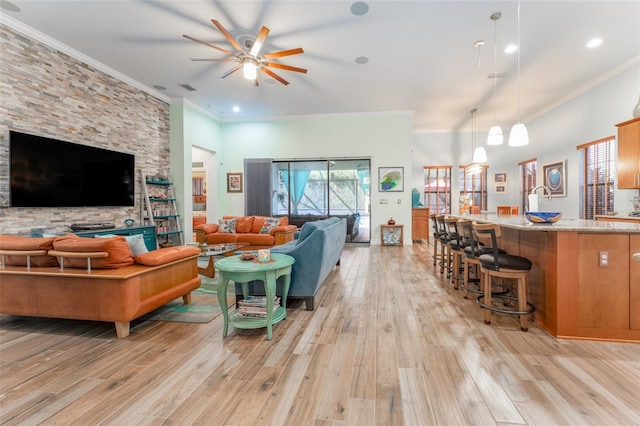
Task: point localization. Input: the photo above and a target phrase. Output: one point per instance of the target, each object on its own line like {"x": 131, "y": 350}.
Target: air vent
{"x": 188, "y": 87}
{"x": 497, "y": 75}
{"x": 196, "y": 164}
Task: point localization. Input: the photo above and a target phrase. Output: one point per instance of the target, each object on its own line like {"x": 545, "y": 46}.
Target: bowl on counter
{"x": 543, "y": 217}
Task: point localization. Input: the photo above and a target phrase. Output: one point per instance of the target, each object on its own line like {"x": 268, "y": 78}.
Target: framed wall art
{"x": 234, "y": 182}
{"x": 500, "y": 188}
{"x": 500, "y": 177}
{"x": 554, "y": 175}
{"x": 390, "y": 179}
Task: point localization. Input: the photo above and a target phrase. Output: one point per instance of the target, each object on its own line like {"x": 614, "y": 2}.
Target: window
{"x": 474, "y": 185}
{"x": 527, "y": 181}
{"x": 437, "y": 188}
{"x": 597, "y": 177}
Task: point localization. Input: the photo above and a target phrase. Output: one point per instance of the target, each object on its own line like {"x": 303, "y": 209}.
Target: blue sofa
{"x": 316, "y": 248}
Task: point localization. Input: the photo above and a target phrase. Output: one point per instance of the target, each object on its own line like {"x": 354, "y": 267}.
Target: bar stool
{"x": 436, "y": 238}
{"x": 495, "y": 264}
{"x": 502, "y": 210}
{"x": 444, "y": 244}
{"x": 472, "y": 251}
{"x": 456, "y": 247}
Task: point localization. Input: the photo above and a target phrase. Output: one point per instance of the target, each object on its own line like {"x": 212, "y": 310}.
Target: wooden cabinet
{"x": 629, "y": 154}
{"x": 148, "y": 233}
{"x": 420, "y": 224}
{"x": 634, "y": 281}
{"x": 603, "y": 291}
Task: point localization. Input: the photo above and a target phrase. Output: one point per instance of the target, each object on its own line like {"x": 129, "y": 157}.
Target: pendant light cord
{"x": 518, "y": 61}
{"x": 495, "y": 69}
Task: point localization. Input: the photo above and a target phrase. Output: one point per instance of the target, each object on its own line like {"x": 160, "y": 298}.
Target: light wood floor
{"x": 389, "y": 343}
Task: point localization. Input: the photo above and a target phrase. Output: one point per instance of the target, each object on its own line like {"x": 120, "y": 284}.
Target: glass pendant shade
{"x": 479, "y": 155}
{"x": 495, "y": 136}
{"x": 519, "y": 135}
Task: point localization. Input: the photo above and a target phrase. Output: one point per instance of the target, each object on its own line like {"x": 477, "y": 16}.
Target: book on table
{"x": 255, "y": 307}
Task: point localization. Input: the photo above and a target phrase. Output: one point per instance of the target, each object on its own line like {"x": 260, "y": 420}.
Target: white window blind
{"x": 597, "y": 177}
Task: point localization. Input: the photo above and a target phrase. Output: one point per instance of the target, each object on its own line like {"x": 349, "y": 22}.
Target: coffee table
{"x": 213, "y": 250}
{"x": 244, "y": 271}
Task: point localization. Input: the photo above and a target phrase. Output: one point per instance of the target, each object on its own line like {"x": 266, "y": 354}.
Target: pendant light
{"x": 518, "y": 135}
{"x": 479, "y": 154}
{"x": 495, "y": 132}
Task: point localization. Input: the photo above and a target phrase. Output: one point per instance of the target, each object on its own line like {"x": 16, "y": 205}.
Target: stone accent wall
{"x": 48, "y": 93}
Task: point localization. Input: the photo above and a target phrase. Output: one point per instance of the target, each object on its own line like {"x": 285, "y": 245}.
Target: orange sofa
{"x": 117, "y": 287}
{"x": 248, "y": 229}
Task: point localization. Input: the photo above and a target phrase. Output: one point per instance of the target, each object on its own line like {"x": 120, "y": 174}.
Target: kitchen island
{"x": 577, "y": 294}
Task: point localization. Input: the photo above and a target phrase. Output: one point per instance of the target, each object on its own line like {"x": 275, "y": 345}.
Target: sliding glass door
{"x": 314, "y": 189}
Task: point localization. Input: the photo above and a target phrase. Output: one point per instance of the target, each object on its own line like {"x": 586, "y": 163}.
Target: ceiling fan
{"x": 249, "y": 58}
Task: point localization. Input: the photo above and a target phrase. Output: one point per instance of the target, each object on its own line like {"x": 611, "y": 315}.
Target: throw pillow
{"x": 269, "y": 224}
{"x": 244, "y": 224}
{"x": 228, "y": 226}
{"x": 136, "y": 242}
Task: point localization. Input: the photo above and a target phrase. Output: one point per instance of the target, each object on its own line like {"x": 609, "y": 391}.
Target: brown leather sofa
{"x": 248, "y": 229}
{"x": 105, "y": 292}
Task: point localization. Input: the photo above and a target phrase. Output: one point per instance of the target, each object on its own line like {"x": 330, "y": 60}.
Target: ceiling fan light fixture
{"x": 249, "y": 69}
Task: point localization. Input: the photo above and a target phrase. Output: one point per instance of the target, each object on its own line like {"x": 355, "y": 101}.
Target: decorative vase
{"x": 391, "y": 222}
{"x": 163, "y": 175}
{"x": 636, "y": 110}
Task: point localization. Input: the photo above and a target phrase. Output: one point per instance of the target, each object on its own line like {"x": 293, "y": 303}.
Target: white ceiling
{"x": 422, "y": 57}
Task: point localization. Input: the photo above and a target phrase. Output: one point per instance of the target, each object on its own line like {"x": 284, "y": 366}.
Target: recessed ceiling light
{"x": 236, "y": 108}
{"x": 359, "y": 8}
{"x": 594, "y": 42}
{"x": 7, "y": 5}
{"x": 361, "y": 60}
{"x": 510, "y": 48}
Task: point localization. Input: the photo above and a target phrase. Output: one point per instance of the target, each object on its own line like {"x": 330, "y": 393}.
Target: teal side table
{"x": 234, "y": 269}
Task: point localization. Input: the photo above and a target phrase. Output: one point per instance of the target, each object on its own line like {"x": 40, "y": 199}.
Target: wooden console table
{"x": 392, "y": 235}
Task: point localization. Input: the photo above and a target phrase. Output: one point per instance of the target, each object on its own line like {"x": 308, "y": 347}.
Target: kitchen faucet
{"x": 533, "y": 191}
{"x": 533, "y": 197}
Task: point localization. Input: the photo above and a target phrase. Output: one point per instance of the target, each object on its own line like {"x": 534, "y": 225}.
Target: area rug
{"x": 204, "y": 306}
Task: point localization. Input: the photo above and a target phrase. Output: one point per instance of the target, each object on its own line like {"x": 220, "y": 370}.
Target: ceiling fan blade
{"x": 233, "y": 41}
{"x": 275, "y": 76}
{"x": 285, "y": 67}
{"x": 257, "y": 45}
{"x": 282, "y": 53}
{"x": 231, "y": 71}
{"x": 211, "y": 60}
{"x": 228, "y": 52}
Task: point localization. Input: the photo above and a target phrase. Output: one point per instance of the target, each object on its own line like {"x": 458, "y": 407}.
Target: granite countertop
{"x": 573, "y": 225}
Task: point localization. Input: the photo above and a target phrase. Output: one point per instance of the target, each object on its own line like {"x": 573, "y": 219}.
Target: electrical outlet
{"x": 603, "y": 257}
{"x": 399, "y": 201}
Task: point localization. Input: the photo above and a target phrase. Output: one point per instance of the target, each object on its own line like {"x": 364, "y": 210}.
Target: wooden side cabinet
{"x": 629, "y": 154}
{"x": 634, "y": 281}
{"x": 392, "y": 235}
{"x": 420, "y": 224}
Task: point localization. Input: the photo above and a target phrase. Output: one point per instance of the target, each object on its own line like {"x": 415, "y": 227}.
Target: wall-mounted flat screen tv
{"x": 46, "y": 172}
